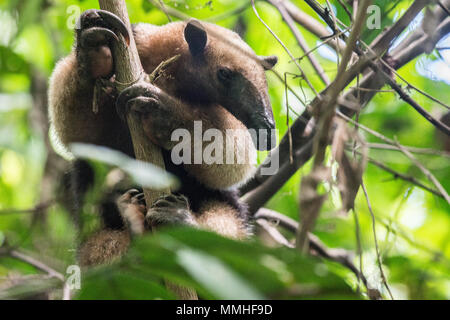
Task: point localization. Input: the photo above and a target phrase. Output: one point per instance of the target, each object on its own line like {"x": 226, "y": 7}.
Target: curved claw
{"x": 140, "y": 199}
{"x": 140, "y": 90}
{"x": 133, "y": 193}
{"x": 173, "y": 201}
{"x": 101, "y": 18}
{"x": 171, "y": 210}
{"x": 114, "y": 21}
{"x": 92, "y": 36}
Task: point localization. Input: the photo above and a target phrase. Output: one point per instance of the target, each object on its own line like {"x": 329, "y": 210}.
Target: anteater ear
{"x": 268, "y": 62}
{"x": 195, "y": 36}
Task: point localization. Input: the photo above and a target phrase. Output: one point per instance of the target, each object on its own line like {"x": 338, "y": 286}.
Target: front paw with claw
{"x": 171, "y": 210}
{"x": 96, "y": 32}
{"x": 142, "y": 98}
{"x": 154, "y": 108}
{"x": 133, "y": 209}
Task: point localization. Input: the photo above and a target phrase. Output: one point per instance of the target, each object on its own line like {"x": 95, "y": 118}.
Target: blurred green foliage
{"x": 412, "y": 225}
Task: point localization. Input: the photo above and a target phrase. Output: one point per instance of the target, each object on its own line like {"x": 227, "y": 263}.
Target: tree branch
{"x": 129, "y": 71}
{"x": 316, "y": 247}
{"x": 36, "y": 263}
{"x": 405, "y": 97}
{"x": 385, "y": 39}
{"x": 325, "y": 113}
{"x": 402, "y": 176}
{"x": 258, "y": 191}
{"x": 312, "y": 25}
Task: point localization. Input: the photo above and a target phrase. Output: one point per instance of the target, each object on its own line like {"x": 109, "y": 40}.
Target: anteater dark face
{"x": 226, "y": 70}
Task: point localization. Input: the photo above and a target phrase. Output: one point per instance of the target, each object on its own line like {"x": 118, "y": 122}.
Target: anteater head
{"x": 222, "y": 68}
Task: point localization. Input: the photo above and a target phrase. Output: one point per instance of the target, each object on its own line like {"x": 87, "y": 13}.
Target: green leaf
{"x": 215, "y": 276}
{"x": 29, "y": 288}
{"x": 220, "y": 268}
{"x": 143, "y": 173}
{"x": 111, "y": 284}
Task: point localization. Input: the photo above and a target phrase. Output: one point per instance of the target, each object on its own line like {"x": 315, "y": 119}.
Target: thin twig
{"x": 380, "y": 265}
{"x": 407, "y": 98}
{"x": 41, "y": 207}
{"x": 36, "y": 263}
{"x": 52, "y": 273}
{"x": 291, "y": 225}
{"x": 333, "y": 16}
{"x": 230, "y": 13}
{"x": 291, "y": 157}
{"x": 399, "y": 175}
{"x": 281, "y": 78}
{"x": 405, "y": 235}
{"x": 355, "y": 213}
{"x": 373, "y": 90}
{"x": 346, "y": 9}
{"x": 318, "y": 46}
{"x": 391, "y": 143}
{"x": 426, "y": 172}
{"x": 163, "y": 8}
{"x": 312, "y": 25}
{"x": 300, "y": 40}
{"x": 411, "y": 86}
{"x": 358, "y": 243}
{"x": 323, "y": 13}
{"x": 170, "y": 11}
{"x": 427, "y": 151}
{"x": 317, "y": 247}
{"x": 274, "y": 233}
{"x": 285, "y": 48}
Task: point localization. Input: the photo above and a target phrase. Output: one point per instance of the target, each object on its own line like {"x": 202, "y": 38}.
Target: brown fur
{"x": 190, "y": 87}
{"x": 71, "y": 107}
{"x": 71, "y": 111}
{"x": 104, "y": 246}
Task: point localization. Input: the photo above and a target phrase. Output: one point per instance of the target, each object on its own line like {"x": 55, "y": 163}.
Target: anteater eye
{"x": 225, "y": 74}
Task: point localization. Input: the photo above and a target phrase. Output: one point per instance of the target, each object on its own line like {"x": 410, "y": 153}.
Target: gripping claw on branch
{"x": 95, "y": 21}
